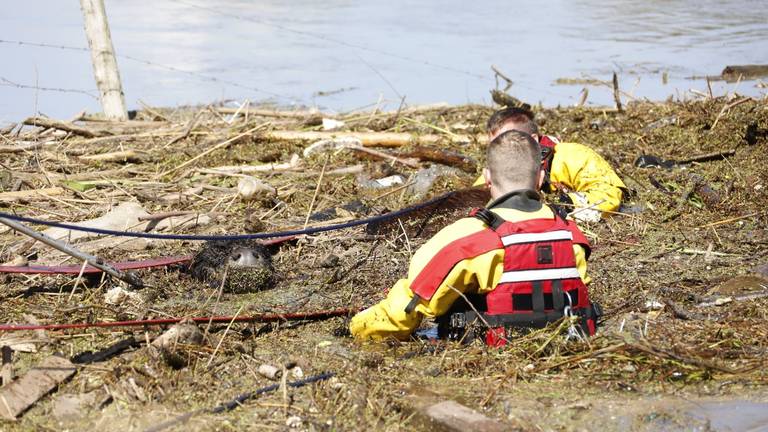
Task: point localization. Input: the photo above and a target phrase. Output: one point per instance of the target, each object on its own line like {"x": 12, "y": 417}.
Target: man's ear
{"x": 487, "y": 176}
{"x": 542, "y": 176}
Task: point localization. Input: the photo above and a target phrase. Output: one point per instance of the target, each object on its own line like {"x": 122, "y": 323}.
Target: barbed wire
{"x": 319, "y": 36}
{"x": 337, "y": 41}
{"x": 198, "y": 75}
{"x": 8, "y": 83}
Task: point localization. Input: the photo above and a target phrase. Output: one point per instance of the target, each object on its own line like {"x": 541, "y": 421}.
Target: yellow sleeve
{"x": 478, "y": 274}
{"x": 581, "y": 263}
{"x": 581, "y": 169}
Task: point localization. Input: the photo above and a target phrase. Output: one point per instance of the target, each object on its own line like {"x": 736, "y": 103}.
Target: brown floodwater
{"x": 343, "y": 54}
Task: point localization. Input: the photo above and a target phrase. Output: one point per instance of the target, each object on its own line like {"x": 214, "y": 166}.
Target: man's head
{"x": 513, "y": 162}
{"x": 507, "y": 119}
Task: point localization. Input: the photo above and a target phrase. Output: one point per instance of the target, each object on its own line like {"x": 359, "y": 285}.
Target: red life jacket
{"x": 548, "y": 141}
{"x": 540, "y": 283}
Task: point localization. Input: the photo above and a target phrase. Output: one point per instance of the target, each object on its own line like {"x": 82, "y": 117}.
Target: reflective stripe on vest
{"x": 536, "y": 237}
{"x": 539, "y": 275}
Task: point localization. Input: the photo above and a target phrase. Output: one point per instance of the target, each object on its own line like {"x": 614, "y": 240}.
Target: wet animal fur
{"x": 211, "y": 264}
{"x": 427, "y": 221}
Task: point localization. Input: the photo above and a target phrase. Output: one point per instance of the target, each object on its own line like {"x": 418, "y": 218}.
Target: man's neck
{"x": 521, "y": 199}
{"x": 497, "y": 193}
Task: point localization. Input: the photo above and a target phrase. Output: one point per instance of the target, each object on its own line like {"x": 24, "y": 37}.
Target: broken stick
{"x": 617, "y": 93}
{"x": 212, "y": 149}
{"x": 129, "y": 278}
{"x": 66, "y": 127}
{"x": 29, "y": 194}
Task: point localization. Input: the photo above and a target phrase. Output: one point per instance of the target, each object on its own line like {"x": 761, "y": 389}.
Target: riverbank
{"x": 681, "y": 271}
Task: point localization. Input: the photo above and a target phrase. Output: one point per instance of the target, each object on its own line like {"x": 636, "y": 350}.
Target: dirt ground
{"x": 681, "y": 271}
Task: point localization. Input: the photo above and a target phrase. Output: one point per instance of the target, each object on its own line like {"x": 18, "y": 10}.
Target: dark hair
{"x": 520, "y": 116}
{"x": 514, "y": 158}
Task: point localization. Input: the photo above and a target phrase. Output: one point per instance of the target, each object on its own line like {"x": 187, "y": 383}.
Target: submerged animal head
{"x": 241, "y": 266}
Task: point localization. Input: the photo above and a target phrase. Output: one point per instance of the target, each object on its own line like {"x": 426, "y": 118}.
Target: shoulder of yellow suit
{"x": 575, "y": 155}
{"x": 470, "y": 225}
{"x": 572, "y": 147}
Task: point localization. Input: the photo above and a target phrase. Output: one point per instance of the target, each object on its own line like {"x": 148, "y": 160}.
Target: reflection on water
{"x": 427, "y": 51}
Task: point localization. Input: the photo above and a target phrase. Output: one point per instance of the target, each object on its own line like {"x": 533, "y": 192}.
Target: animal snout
{"x": 245, "y": 257}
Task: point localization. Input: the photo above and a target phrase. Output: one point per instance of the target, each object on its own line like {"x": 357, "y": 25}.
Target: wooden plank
{"x": 103, "y": 57}
{"x": 437, "y": 414}
{"x": 745, "y": 72}
{"x": 33, "y": 385}
{"x": 116, "y": 156}
{"x": 452, "y": 416}
{"x": 367, "y": 139}
{"x": 270, "y": 113}
{"x": 30, "y": 194}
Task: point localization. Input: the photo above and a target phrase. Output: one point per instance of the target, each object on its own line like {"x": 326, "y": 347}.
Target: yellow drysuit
{"x": 588, "y": 178}
{"x": 478, "y": 274}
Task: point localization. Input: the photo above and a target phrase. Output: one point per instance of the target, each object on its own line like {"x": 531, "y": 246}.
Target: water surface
{"x": 340, "y": 54}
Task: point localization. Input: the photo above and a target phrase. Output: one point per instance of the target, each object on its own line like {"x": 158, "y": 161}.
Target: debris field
{"x": 681, "y": 271}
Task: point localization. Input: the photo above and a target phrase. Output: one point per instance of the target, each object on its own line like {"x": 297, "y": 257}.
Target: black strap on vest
{"x": 537, "y": 297}
{"x": 532, "y": 320}
{"x": 558, "y": 302}
{"x": 489, "y": 218}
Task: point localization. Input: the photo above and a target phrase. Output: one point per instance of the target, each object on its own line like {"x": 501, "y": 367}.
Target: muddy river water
{"x": 345, "y": 54}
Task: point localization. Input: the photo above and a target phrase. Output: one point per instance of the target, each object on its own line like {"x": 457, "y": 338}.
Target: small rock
{"x": 723, "y": 300}
{"x": 297, "y": 373}
{"x": 331, "y": 124}
{"x": 331, "y": 144}
{"x": 390, "y": 181}
{"x": 664, "y": 121}
{"x": 185, "y": 332}
{"x": 250, "y": 188}
{"x": 270, "y": 371}
{"x": 654, "y": 305}
{"x": 336, "y": 384}
{"x": 365, "y": 182}
{"x": 293, "y": 422}
{"x": 330, "y": 261}
{"x": 119, "y": 295}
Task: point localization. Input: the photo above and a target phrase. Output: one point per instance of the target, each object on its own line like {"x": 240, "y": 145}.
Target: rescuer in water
{"x": 522, "y": 264}
{"x": 588, "y": 186}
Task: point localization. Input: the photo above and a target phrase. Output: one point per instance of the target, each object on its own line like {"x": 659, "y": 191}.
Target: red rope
{"x": 162, "y": 321}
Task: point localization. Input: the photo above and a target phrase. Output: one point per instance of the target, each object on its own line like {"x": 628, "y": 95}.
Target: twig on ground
{"x": 226, "y": 330}
{"x": 211, "y": 150}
